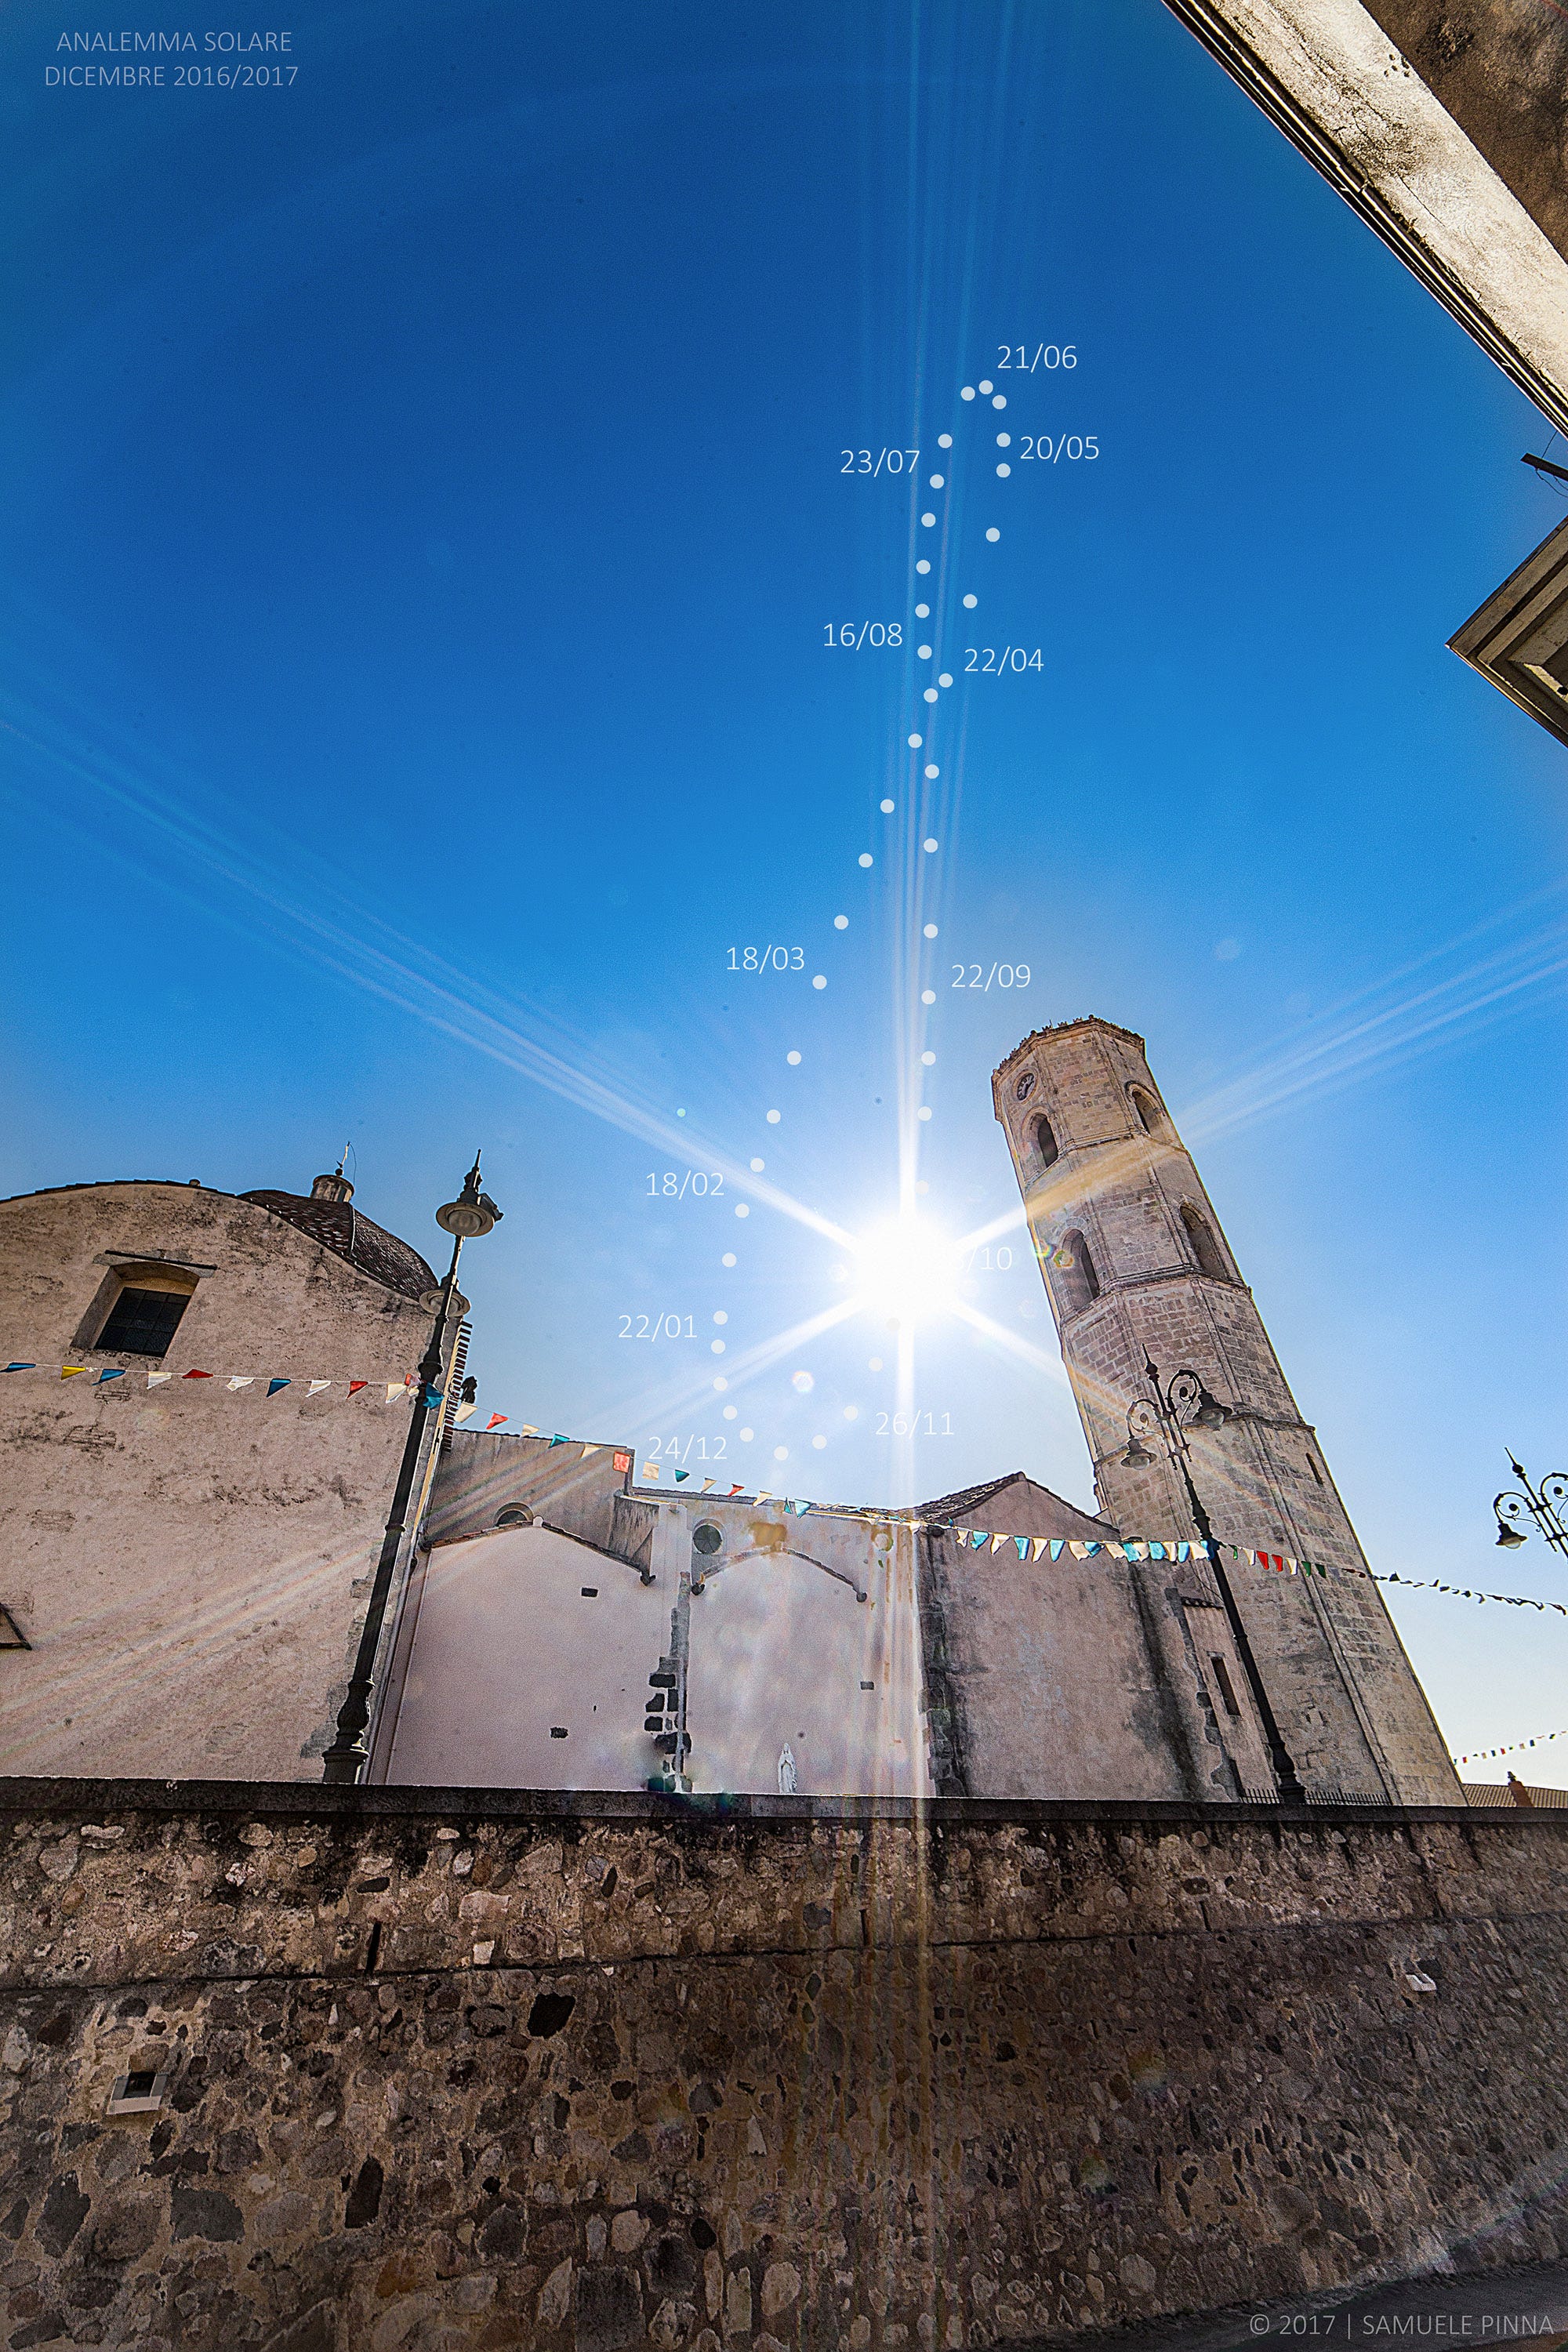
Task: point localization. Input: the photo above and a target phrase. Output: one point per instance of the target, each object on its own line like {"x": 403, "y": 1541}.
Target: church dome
{"x": 329, "y": 1216}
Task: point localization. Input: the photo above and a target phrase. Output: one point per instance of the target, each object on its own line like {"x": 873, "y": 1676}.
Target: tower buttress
{"x": 1136, "y": 1265}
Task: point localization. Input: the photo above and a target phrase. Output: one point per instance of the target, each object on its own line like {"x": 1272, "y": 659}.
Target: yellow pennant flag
{"x": 70, "y": 1371}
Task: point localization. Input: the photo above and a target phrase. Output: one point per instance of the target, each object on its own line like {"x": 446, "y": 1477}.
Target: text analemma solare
{"x": 230, "y": 44}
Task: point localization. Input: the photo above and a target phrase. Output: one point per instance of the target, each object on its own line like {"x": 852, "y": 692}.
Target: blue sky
{"x": 422, "y": 515}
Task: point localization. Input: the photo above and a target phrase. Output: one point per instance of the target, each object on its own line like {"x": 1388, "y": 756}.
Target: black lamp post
{"x": 472, "y": 1214}
{"x": 1185, "y": 1403}
{"x": 1544, "y": 1504}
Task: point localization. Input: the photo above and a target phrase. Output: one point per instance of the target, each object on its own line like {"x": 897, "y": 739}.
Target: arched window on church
{"x": 1147, "y": 1111}
{"x": 1041, "y": 1135}
{"x": 1205, "y": 1249}
{"x": 1073, "y": 1276}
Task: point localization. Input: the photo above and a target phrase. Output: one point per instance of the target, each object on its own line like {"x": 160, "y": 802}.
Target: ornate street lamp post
{"x": 470, "y": 1216}
{"x": 1545, "y": 1503}
{"x": 1184, "y": 1403}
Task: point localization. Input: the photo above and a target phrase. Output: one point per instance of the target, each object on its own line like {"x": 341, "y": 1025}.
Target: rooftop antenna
{"x": 1544, "y": 465}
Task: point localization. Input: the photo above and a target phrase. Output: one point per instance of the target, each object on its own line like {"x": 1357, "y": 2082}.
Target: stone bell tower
{"x": 1135, "y": 1265}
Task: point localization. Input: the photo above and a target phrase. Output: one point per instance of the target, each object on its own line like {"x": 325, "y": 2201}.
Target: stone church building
{"x": 188, "y": 1559}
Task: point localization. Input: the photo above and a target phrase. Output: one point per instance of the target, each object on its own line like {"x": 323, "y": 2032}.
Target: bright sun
{"x": 906, "y": 1270}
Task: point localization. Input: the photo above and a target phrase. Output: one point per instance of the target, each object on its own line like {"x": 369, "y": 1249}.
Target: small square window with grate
{"x": 143, "y": 1322}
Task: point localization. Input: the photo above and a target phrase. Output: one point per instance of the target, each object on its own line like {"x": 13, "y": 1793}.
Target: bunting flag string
{"x": 1465, "y": 1592}
{"x": 406, "y": 1391}
{"x": 1484, "y": 1755}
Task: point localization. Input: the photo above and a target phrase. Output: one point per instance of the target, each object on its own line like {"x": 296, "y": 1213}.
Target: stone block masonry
{"x": 444, "y": 2069}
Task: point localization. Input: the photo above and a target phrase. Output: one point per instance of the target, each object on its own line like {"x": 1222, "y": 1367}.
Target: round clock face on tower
{"x": 1025, "y": 1086}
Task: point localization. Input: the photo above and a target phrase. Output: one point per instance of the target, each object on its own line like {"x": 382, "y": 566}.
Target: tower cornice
{"x": 1061, "y": 1029}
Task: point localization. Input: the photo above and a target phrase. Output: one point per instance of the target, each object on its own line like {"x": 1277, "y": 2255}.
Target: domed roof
{"x": 337, "y": 1225}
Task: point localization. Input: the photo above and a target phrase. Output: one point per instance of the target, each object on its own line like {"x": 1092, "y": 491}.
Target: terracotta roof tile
{"x": 338, "y": 1226}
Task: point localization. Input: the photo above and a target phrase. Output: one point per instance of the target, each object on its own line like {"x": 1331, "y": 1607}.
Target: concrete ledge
{"x": 312, "y": 1801}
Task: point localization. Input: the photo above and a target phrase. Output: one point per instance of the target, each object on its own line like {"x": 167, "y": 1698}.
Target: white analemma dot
{"x": 985, "y": 384}
{"x": 993, "y": 534}
{"x": 819, "y": 1443}
{"x": 851, "y": 1413}
{"x": 930, "y": 930}
{"x": 967, "y": 393}
{"x": 930, "y": 694}
{"x": 1004, "y": 440}
{"x": 743, "y": 1209}
{"x": 720, "y": 1316}
{"x": 730, "y": 1411}
{"x": 729, "y": 1257}
{"x": 841, "y": 922}
{"x": 938, "y": 482}
{"x": 922, "y": 652}
{"x": 864, "y": 857}
{"x": 820, "y": 980}
{"x": 717, "y": 1346}
{"x": 928, "y": 847}
{"x": 944, "y": 440}
{"x": 946, "y": 678}
{"x": 757, "y": 1166}
{"x": 929, "y": 1059}
{"x": 970, "y": 603}
{"x": 747, "y": 1435}
{"x": 794, "y": 1061}
{"x": 928, "y": 520}
{"x": 780, "y": 1453}
{"x": 875, "y": 1364}
{"x": 922, "y": 612}
{"x": 915, "y": 742}
{"x": 1000, "y": 401}
{"x": 887, "y": 808}
{"x": 1004, "y": 471}
{"x": 928, "y": 996}
{"x": 925, "y": 1110}
{"x": 720, "y": 1382}
{"x": 922, "y": 565}
{"x": 922, "y": 1186}
{"x": 934, "y": 772}
{"x": 774, "y": 1117}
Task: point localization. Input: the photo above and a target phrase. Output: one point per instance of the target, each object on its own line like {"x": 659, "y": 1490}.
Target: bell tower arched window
{"x": 1043, "y": 1138}
{"x": 1205, "y": 1248}
{"x": 1146, "y": 1111}
{"x": 1074, "y": 1280}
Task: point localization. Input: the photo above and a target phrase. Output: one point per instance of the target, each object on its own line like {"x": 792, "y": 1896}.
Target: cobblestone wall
{"x": 587, "y": 2074}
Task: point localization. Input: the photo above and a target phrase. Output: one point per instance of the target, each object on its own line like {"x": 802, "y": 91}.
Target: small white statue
{"x": 788, "y": 1783}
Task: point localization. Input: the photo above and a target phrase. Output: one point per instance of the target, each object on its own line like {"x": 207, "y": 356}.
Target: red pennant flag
{"x": 195, "y": 1376}
{"x": 736, "y": 1490}
{"x": 1277, "y": 1563}
{"x": 495, "y": 1421}
{"x": 355, "y": 1385}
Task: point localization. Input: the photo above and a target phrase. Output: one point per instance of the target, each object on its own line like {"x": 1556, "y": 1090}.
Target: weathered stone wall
{"x": 1503, "y": 77}
{"x": 452, "y": 2070}
{"x": 190, "y": 1563}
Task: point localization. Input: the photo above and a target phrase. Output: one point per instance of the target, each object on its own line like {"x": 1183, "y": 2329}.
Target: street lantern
{"x": 1545, "y": 1503}
{"x": 468, "y": 1218}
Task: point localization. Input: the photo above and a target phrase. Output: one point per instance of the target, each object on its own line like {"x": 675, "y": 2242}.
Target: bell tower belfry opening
{"x": 1139, "y": 1276}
